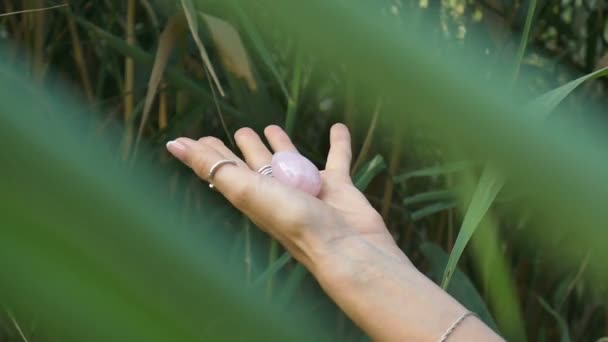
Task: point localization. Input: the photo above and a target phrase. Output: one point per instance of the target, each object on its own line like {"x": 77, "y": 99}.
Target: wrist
{"x": 340, "y": 250}
{"x": 376, "y": 285}
{"x": 381, "y": 291}
{"x": 356, "y": 260}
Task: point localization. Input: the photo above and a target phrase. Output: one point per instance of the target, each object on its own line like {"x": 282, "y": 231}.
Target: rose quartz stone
{"x": 295, "y": 170}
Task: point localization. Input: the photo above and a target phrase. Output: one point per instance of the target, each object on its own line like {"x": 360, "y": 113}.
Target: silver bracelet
{"x": 455, "y": 325}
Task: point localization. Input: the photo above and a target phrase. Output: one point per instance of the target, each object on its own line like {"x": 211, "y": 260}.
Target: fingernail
{"x": 177, "y": 149}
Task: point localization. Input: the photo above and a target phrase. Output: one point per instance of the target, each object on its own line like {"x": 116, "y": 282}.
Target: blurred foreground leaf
{"x": 492, "y": 180}
{"x": 477, "y": 117}
{"x": 95, "y": 251}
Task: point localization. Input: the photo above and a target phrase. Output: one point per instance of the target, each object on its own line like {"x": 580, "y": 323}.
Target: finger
{"x": 255, "y": 152}
{"x": 278, "y": 139}
{"x": 274, "y": 205}
{"x": 238, "y": 184}
{"x": 222, "y": 149}
{"x": 340, "y": 153}
{"x": 201, "y": 156}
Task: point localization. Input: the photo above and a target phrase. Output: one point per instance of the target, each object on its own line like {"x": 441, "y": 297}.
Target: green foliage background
{"x": 105, "y": 237}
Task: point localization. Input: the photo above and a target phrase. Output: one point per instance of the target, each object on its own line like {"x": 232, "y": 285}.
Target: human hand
{"x": 316, "y": 231}
{"x": 338, "y": 236}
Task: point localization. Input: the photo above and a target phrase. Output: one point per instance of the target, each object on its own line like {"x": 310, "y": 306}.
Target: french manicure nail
{"x": 177, "y": 149}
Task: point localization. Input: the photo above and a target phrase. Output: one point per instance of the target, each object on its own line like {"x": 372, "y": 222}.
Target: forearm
{"x": 391, "y": 300}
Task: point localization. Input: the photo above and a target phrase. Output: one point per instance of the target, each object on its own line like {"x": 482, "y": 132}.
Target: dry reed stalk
{"x": 389, "y": 184}
{"x": 369, "y": 137}
{"x": 39, "y": 39}
{"x": 14, "y": 24}
{"x": 79, "y": 58}
{"x": 163, "y": 120}
{"x": 129, "y": 80}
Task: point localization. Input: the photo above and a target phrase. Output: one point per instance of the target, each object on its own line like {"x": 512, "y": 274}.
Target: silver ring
{"x": 266, "y": 170}
{"x": 216, "y": 167}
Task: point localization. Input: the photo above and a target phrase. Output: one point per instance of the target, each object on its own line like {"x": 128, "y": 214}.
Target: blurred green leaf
{"x": 259, "y": 45}
{"x": 495, "y": 275}
{"x": 93, "y": 236}
{"x": 492, "y": 181}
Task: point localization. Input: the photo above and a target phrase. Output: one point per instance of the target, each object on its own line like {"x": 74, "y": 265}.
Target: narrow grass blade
{"x": 437, "y": 195}
{"x": 32, "y": 10}
{"x": 149, "y": 8}
{"x": 293, "y": 100}
{"x": 272, "y": 269}
{"x": 192, "y": 18}
{"x": 247, "y": 249}
{"x": 489, "y": 185}
{"x": 291, "y": 285}
{"x": 543, "y": 105}
{"x": 368, "y": 172}
{"x": 129, "y": 81}
{"x": 230, "y": 48}
{"x": 17, "y": 326}
{"x": 561, "y": 296}
{"x": 389, "y": 184}
{"x": 367, "y": 142}
{"x": 561, "y": 322}
{"x": 433, "y": 171}
{"x": 521, "y": 50}
{"x": 79, "y": 58}
{"x": 167, "y": 40}
{"x": 433, "y": 209}
{"x": 273, "y": 254}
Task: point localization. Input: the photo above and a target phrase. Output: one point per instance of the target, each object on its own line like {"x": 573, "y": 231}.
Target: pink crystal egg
{"x": 295, "y": 170}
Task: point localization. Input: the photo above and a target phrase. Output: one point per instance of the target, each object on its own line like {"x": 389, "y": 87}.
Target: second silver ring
{"x": 266, "y": 170}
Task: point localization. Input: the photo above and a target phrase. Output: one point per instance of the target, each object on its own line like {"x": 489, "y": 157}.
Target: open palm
{"x": 310, "y": 228}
